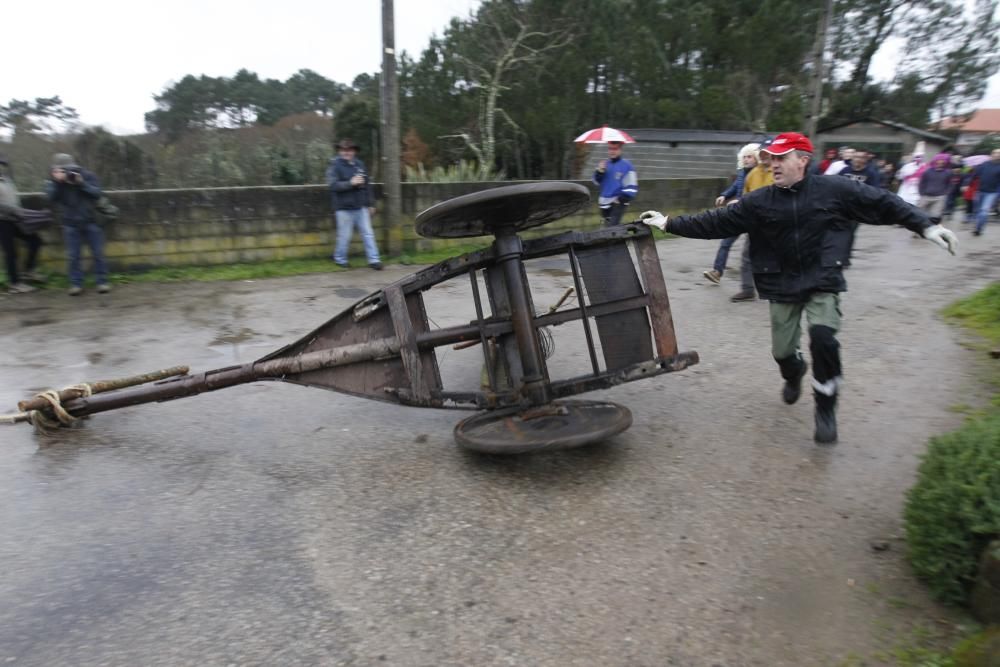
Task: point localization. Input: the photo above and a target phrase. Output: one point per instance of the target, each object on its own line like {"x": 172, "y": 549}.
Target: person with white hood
{"x": 746, "y": 160}
{"x": 909, "y": 179}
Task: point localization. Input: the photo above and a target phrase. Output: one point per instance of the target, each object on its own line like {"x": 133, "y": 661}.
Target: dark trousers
{"x": 612, "y": 215}
{"x": 74, "y": 237}
{"x": 9, "y": 232}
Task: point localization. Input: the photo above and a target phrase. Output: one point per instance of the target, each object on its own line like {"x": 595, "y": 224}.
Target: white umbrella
{"x": 602, "y": 135}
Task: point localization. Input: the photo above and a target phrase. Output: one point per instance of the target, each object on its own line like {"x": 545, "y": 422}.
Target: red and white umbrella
{"x": 603, "y": 135}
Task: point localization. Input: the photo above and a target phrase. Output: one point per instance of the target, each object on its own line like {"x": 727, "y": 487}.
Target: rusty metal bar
{"x": 532, "y": 249}
{"x": 498, "y": 327}
{"x": 101, "y": 386}
{"x": 273, "y": 369}
{"x": 606, "y": 380}
{"x": 581, "y": 299}
{"x": 508, "y": 252}
{"x": 560, "y": 243}
{"x": 482, "y": 334}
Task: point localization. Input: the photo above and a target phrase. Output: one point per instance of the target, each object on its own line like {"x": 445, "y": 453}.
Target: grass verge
{"x": 262, "y": 270}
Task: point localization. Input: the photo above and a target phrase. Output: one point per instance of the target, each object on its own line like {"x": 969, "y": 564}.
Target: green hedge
{"x": 954, "y": 509}
{"x": 981, "y": 650}
{"x": 979, "y": 312}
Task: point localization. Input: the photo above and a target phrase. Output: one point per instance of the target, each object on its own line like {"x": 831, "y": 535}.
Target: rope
{"x": 43, "y": 423}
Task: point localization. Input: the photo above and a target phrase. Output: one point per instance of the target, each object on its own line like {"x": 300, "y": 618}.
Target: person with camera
{"x": 353, "y": 203}
{"x": 76, "y": 191}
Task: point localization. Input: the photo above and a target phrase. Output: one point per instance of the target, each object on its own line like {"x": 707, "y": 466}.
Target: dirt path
{"x": 273, "y": 524}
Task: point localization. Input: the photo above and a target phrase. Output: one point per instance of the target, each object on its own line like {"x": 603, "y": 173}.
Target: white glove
{"x": 943, "y": 236}
{"x": 654, "y": 219}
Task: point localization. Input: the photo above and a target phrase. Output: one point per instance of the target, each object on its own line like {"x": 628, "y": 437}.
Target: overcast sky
{"x": 107, "y": 58}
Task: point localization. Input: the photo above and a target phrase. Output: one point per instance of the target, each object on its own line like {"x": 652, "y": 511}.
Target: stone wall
{"x": 228, "y": 225}
{"x": 662, "y": 153}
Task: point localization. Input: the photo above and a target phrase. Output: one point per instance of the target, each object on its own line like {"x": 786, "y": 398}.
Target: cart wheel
{"x": 558, "y": 425}
{"x": 511, "y": 207}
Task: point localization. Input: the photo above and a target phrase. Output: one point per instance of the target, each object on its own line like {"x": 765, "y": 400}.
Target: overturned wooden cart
{"x": 383, "y": 347}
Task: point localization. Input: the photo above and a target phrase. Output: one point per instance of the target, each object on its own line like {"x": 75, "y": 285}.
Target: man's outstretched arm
{"x": 720, "y": 223}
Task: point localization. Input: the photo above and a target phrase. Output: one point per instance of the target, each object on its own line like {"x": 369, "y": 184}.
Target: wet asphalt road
{"x": 272, "y": 524}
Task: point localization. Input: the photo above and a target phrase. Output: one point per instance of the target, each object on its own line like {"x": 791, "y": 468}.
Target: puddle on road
{"x": 227, "y": 337}
{"x": 350, "y": 292}
{"x": 559, "y": 273}
{"x": 36, "y": 321}
{"x": 230, "y": 344}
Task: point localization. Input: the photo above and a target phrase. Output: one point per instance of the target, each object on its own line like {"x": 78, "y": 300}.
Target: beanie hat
{"x": 63, "y": 160}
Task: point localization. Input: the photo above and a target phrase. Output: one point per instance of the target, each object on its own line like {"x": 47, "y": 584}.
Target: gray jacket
{"x": 10, "y": 201}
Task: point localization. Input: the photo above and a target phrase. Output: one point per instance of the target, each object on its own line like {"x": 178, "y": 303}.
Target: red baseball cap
{"x": 786, "y": 142}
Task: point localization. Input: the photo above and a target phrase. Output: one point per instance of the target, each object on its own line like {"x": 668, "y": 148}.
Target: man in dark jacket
{"x": 800, "y": 238}
{"x": 988, "y": 174}
{"x": 862, "y": 170}
{"x": 353, "y": 204}
{"x": 75, "y": 191}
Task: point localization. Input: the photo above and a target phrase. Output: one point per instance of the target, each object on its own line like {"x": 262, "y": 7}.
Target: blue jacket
{"x": 345, "y": 196}
{"x": 989, "y": 176}
{"x": 76, "y": 201}
{"x": 869, "y": 175}
{"x": 619, "y": 180}
{"x": 735, "y": 189}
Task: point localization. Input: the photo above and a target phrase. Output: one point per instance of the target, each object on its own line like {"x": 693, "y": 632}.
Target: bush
{"x": 953, "y": 511}
{"x": 981, "y": 650}
{"x": 460, "y": 172}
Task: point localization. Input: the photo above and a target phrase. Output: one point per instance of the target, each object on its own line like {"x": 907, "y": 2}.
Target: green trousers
{"x": 822, "y": 309}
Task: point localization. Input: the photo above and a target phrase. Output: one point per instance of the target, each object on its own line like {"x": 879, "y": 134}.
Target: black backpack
{"x": 104, "y": 210}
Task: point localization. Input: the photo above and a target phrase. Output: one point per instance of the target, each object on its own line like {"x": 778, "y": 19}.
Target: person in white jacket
{"x": 909, "y": 179}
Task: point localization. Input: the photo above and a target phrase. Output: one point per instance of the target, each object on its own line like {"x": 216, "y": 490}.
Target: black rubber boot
{"x": 826, "y": 419}
{"x": 793, "y": 369}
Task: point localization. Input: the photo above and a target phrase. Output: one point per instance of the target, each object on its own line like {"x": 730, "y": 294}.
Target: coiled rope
{"x": 46, "y": 424}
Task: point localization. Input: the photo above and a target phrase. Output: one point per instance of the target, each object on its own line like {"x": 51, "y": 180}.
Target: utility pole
{"x": 818, "y": 70}
{"x": 391, "y": 177}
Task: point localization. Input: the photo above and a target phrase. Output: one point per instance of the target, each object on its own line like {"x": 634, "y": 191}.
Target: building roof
{"x": 982, "y": 120}
{"x": 695, "y": 136}
{"x": 924, "y": 134}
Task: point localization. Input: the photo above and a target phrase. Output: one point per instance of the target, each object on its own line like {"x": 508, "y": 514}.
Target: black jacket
{"x": 76, "y": 200}
{"x": 347, "y": 197}
{"x": 801, "y": 237}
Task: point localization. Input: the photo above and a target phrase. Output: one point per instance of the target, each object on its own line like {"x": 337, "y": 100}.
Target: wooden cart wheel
{"x": 512, "y": 208}
{"x": 558, "y": 425}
